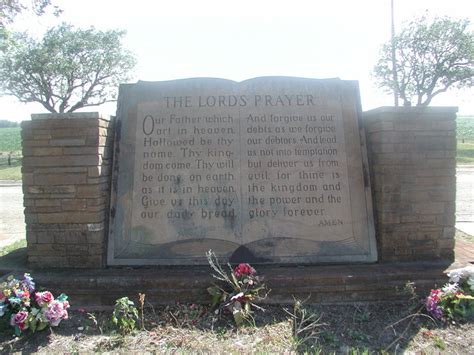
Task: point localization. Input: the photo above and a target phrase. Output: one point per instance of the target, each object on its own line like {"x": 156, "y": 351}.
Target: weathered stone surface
{"x": 267, "y": 170}
{"x": 65, "y": 208}
{"x": 413, "y": 184}
{"x": 327, "y": 284}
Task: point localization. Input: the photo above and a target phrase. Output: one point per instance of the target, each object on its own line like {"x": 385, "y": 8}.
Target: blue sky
{"x": 245, "y": 39}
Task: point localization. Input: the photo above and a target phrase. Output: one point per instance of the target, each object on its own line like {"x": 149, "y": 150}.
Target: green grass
{"x": 12, "y": 172}
{"x": 12, "y": 247}
{"x": 465, "y": 128}
{"x": 10, "y": 139}
{"x": 465, "y": 152}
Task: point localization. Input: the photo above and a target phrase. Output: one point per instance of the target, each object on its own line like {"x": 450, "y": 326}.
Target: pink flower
{"x": 244, "y": 269}
{"x": 19, "y": 319}
{"x": 43, "y": 298}
{"x": 56, "y": 312}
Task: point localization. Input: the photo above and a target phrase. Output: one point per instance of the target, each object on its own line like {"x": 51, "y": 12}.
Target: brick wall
{"x": 413, "y": 171}
{"x": 66, "y": 174}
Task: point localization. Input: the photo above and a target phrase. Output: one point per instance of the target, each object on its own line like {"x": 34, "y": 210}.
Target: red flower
{"x": 243, "y": 270}
{"x": 434, "y": 295}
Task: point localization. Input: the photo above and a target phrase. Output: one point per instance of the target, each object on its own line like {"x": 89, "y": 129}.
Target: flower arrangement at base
{"x": 24, "y": 308}
{"x": 238, "y": 290}
{"x": 455, "y": 299}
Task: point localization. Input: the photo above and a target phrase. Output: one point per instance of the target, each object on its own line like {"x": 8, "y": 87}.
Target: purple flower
{"x": 56, "y": 312}
{"x": 432, "y": 304}
{"x": 28, "y": 282}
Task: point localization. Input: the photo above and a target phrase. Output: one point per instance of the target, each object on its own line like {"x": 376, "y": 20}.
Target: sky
{"x": 239, "y": 40}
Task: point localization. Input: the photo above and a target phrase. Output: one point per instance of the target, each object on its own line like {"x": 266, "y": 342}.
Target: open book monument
{"x": 269, "y": 170}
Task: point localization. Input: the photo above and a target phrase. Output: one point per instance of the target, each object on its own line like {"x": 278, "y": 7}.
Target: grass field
{"x": 465, "y": 138}
{"x": 10, "y": 139}
{"x": 10, "y": 142}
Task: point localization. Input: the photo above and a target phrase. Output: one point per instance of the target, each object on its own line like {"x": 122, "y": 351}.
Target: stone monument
{"x": 269, "y": 170}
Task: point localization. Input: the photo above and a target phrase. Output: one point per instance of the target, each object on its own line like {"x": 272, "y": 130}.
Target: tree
{"x": 432, "y": 57}
{"x": 10, "y": 8}
{"x": 67, "y": 70}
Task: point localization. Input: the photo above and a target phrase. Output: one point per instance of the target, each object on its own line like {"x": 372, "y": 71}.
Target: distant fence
{"x": 10, "y": 159}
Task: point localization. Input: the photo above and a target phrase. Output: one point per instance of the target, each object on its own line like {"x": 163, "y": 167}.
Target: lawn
{"x": 465, "y": 152}
{"x": 10, "y": 143}
{"x": 465, "y": 139}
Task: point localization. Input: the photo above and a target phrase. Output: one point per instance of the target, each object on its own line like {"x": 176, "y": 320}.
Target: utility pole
{"x": 394, "y": 57}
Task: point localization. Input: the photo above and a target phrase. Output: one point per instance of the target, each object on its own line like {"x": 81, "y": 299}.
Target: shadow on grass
{"x": 15, "y": 260}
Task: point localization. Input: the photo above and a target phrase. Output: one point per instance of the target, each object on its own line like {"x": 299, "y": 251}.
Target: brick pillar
{"x": 66, "y": 184}
{"x": 412, "y": 157}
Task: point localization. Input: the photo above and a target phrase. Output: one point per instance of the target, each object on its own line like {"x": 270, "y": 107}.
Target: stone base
{"x": 322, "y": 284}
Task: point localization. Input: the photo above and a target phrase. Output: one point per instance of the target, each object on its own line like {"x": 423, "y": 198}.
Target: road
{"x": 12, "y": 223}
{"x": 12, "y": 220}
{"x": 465, "y": 198}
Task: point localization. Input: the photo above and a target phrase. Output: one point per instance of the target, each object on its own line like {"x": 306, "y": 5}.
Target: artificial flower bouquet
{"x": 24, "y": 308}
{"x": 238, "y": 290}
{"x": 456, "y": 298}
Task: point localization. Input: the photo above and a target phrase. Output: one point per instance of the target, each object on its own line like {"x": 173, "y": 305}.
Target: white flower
{"x": 458, "y": 275}
{"x": 450, "y": 288}
{"x": 237, "y": 296}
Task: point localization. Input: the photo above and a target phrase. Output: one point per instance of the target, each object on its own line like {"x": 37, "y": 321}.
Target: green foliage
{"x": 8, "y": 124}
{"x": 439, "y": 343}
{"x": 12, "y": 247}
{"x": 10, "y": 139}
{"x": 465, "y": 128}
{"x": 10, "y": 8}
{"x": 431, "y": 57}
{"x": 125, "y": 315}
{"x": 465, "y": 153}
{"x": 67, "y": 70}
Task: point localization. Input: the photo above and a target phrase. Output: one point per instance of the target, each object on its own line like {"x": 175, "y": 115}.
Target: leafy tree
{"x": 8, "y": 124}
{"x": 67, "y": 70}
{"x": 432, "y": 57}
{"x": 10, "y": 8}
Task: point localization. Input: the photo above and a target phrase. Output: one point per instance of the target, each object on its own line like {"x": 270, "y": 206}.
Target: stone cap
{"x": 411, "y": 110}
{"x": 70, "y": 115}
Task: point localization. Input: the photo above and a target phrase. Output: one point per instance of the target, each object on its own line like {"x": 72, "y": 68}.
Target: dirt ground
{"x": 392, "y": 328}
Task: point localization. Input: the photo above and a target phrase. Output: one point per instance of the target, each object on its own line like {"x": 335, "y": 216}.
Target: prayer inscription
{"x": 270, "y": 168}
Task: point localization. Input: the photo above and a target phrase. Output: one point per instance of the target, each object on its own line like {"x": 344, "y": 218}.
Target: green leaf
{"x": 239, "y": 317}
{"x": 33, "y": 323}
{"x": 62, "y": 297}
{"x": 42, "y": 326}
{"x": 214, "y": 291}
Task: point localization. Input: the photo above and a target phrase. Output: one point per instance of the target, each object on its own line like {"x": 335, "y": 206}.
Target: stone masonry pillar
{"x": 412, "y": 158}
{"x": 66, "y": 183}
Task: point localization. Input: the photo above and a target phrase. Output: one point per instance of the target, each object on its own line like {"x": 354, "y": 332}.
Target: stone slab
{"x": 321, "y": 284}
{"x": 269, "y": 170}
